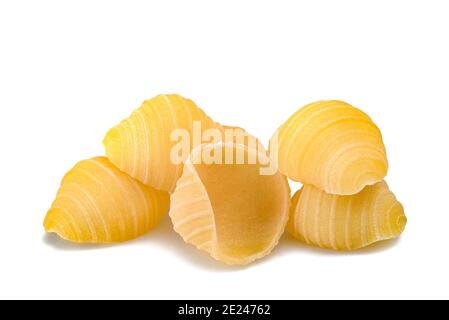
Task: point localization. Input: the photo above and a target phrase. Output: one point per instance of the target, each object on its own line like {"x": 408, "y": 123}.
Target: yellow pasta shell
{"x": 141, "y": 144}
{"x": 229, "y": 210}
{"x": 346, "y": 222}
{"x": 331, "y": 145}
{"x": 97, "y": 203}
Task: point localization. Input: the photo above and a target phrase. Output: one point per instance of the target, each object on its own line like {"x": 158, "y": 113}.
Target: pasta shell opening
{"x": 230, "y": 210}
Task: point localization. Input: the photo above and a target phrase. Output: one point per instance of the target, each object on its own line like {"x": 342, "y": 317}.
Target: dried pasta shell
{"x": 331, "y": 145}
{"x": 238, "y": 135}
{"x": 229, "y": 210}
{"x": 346, "y": 222}
{"x": 97, "y": 203}
{"x": 141, "y": 145}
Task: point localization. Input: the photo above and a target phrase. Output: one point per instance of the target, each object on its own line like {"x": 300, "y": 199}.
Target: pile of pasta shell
{"x": 228, "y": 208}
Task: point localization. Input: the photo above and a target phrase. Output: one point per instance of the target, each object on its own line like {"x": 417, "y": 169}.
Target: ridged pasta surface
{"x": 331, "y": 145}
{"x": 97, "y": 203}
{"x": 229, "y": 210}
{"x": 346, "y": 222}
{"x": 141, "y": 145}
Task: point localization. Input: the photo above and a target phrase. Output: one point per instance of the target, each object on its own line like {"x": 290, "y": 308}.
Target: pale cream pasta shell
{"x": 229, "y": 210}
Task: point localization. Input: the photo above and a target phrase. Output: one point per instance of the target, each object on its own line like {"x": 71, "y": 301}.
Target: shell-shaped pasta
{"x": 346, "y": 222}
{"x": 331, "y": 145}
{"x": 97, "y": 203}
{"x": 229, "y": 210}
{"x": 238, "y": 135}
{"x": 142, "y": 144}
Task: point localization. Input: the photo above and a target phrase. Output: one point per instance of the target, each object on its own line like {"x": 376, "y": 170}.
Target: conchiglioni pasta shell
{"x": 97, "y": 203}
{"x": 238, "y": 135}
{"x": 141, "y": 145}
{"x": 346, "y": 222}
{"x": 331, "y": 145}
{"x": 229, "y": 210}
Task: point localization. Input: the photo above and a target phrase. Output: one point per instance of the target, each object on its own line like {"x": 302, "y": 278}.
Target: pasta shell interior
{"x": 223, "y": 201}
{"x": 230, "y": 210}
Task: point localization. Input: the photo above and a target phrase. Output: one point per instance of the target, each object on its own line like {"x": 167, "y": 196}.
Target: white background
{"x": 69, "y": 70}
